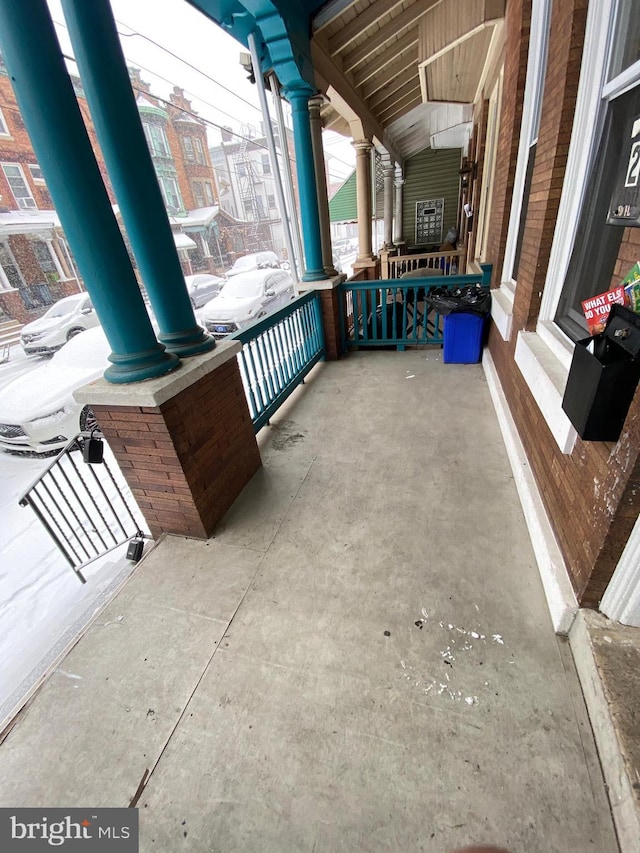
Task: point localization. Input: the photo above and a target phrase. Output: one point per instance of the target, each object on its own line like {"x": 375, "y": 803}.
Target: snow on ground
{"x": 42, "y": 602}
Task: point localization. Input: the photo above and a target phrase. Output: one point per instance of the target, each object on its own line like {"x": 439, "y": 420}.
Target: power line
{"x": 184, "y": 61}
{"x": 203, "y": 74}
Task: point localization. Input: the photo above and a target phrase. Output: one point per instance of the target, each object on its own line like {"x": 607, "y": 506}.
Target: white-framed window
{"x": 531, "y": 109}
{"x": 198, "y": 193}
{"x": 19, "y": 186}
{"x": 36, "y": 173}
{"x": 198, "y": 151}
{"x": 10, "y": 275}
{"x": 4, "y": 127}
{"x": 271, "y": 201}
{"x": 266, "y": 164}
{"x": 156, "y": 137}
{"x": 171, "y": 194}
{"x": 608, "y": 94}
{"x": 189, "y": 153}
{"x": 208, "y": 193}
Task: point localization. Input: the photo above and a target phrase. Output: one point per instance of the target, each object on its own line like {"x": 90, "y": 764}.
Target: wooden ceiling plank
{"x": 409, "y": 18}
{"x": 408, "y": 41}
{"x": 329, "y": 12}
{"x": 379, "y": 103}
{"x": 361, "y": 23}
{"x": 402, "y": 105}
{"x": 391, "y": 71}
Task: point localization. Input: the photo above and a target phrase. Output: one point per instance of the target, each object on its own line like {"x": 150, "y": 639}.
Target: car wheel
{"x": 88, "y": 421}
{"x": 73, "y": 332}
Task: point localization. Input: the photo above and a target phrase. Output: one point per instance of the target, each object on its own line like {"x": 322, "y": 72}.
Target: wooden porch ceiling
{"x": 385, "y": 65}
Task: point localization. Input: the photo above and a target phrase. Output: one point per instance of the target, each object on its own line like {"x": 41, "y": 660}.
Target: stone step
{"x": 607, "y": 657}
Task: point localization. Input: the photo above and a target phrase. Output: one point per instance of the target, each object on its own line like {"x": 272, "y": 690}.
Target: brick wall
{"x": 591, "y": 495}
{"x": 188, "y": 460}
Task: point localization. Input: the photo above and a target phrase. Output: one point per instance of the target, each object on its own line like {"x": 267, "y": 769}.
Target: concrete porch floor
{"x": 361, "y": 659}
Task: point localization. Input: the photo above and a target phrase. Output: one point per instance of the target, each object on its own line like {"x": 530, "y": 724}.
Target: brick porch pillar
{"x": 185, "y": 442}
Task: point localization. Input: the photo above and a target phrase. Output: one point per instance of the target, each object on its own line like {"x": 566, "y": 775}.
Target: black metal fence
{"x": 85, "y": 507}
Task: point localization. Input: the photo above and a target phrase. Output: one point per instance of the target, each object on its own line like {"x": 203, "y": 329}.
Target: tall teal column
{"x": 52, "y": 117}
{"x": 298, "y": 96}
{"x": 115, "y": 116}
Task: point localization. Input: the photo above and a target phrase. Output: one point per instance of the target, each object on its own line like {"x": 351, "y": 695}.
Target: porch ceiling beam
{"x": 332, "y": 75}
{"x": 361, "y": 23}
{"x": 394, "y": 69}
{"x": 399, "y": 108}
{"x": 411, "y": 88}
{"x": 408, "y": 18}
{"x": 397, "y": 84}
{"x": 329, "y": 12}
{"x": 385, "y": 57}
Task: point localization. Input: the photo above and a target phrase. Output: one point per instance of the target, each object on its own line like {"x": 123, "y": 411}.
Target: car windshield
{"x": 60, "y": 309}
{"x": 249, "y": 262}
{"x": 242, "y": 288}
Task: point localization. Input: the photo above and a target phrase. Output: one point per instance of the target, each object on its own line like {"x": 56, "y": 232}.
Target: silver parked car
{"x": 65, "y": 319}
{"x": 37, "y": 411}
{"x": 246, "y": 298}
{"x": 256, "y": 261}
{"x": 202, "y": 288}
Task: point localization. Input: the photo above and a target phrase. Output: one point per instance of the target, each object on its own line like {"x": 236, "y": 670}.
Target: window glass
{"x": 9, "y": 266}
{"x": 208, "y": 191}
{"x": 626, "y": 39}
{"x": 4, "y": 130}
{"x": 199, "y": 153}
{"x": 189, "y": 154}
{"x": 597, "y": 244}
{"x": 36, "y": 173}
{"x": 19, "y": 187}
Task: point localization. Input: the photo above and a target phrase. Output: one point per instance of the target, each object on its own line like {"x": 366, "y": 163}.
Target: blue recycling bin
{"x": 463, "y": 335}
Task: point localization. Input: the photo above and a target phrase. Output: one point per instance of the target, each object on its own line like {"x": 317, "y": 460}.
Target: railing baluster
{"x": 86, "y": 517}
{"x": 279, "y": 351}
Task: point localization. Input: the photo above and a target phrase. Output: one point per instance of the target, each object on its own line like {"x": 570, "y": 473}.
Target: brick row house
{"x": 565, "y": 95}
{"x": 36, "y": 264}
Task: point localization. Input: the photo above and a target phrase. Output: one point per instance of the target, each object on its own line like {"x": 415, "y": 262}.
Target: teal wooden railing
{"x": 278, "y": 352}
{"x": 394, "y": 312}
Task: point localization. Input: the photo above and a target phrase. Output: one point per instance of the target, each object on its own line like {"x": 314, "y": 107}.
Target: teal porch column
{"x": 115, "y": 115}
{"x": 298, "y": 96}
{"x": 52, "y": 117}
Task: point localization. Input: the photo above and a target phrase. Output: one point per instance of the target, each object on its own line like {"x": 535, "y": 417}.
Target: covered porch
{"x": 361, "y": 658}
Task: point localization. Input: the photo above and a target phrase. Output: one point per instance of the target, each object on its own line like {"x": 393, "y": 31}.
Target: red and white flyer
{"x": 596, "y": 308}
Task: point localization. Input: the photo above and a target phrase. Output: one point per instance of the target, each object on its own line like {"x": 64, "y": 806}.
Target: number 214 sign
{"x": 625, "y": 200}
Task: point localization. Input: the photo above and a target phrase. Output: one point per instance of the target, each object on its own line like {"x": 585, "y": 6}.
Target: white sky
{"x": 219, "y": 89}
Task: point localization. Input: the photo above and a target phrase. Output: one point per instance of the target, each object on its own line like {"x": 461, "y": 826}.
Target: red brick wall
{"x": 188, "y": 460}
{"x": 591, "y": 495}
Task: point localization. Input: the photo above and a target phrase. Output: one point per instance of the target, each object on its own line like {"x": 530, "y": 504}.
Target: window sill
{"x": 502, "y": 299}
{"x": 546, "y": 375}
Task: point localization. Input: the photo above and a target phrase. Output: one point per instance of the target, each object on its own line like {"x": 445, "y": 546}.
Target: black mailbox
{"x": 603, "y": 377}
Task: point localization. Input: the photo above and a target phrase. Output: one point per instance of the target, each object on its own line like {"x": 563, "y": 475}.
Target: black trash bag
{"x": 471, "y": 299}
{"x": 391, "y": 332}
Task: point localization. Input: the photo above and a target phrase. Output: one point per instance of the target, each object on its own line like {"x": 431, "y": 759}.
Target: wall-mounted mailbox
{"x": 603, "y": 377}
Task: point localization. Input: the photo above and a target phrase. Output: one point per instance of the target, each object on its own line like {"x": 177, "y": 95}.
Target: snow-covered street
{"x": 42, "y": 602}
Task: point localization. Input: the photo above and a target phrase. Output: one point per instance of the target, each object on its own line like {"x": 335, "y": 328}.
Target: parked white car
{"x": 256, "y": 261}
{"x": 37, "y": 411}
{"x": 245, "y": 299}
{"x": 202, "y": 288}
{"x": 65, "y": 319}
